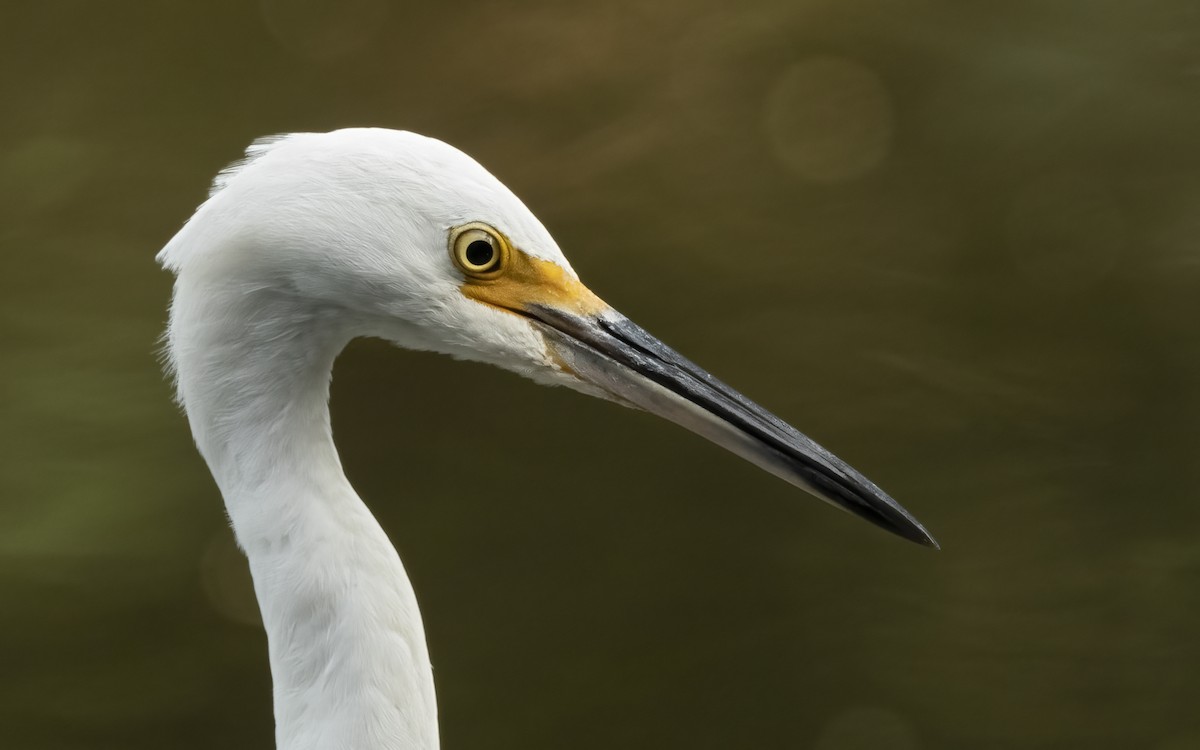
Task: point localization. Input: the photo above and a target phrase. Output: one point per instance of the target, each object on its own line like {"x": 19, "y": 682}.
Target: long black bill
{"x": 615, "y": 355}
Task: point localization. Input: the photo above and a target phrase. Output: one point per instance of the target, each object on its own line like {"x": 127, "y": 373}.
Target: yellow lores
{"x": 252, "y": 340}
{"x": 503, "y": 276}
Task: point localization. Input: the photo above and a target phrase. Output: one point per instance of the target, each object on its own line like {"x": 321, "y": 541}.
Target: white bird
{"x": 314, "y": 239}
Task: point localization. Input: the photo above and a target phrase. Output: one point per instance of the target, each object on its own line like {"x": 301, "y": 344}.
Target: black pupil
{"x": 480, "y": 253}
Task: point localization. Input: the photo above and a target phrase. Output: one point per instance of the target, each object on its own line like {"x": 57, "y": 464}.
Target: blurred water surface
{"x": 955, "y": 242}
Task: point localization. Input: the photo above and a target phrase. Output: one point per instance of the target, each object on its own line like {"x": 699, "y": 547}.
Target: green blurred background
{"x": 955, "y": 242}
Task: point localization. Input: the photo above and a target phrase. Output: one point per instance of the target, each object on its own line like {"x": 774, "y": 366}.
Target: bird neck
{"x": 348, "y": 655}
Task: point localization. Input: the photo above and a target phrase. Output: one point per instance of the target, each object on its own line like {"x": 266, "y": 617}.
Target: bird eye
{"x": 478, "y": 250}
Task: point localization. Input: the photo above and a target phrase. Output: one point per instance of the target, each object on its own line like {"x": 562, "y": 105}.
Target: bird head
{"x": 406, "y": 238}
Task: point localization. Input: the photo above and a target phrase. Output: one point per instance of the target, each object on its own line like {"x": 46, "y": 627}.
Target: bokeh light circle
{"x": 829, "y": 119}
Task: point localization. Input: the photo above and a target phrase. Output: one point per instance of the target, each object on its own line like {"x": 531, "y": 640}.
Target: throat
{"x": 347, "y": 647}
{"x": 349, "y": 662}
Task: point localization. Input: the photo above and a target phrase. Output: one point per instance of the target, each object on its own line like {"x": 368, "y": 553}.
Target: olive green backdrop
{"x": 955, "y": 242}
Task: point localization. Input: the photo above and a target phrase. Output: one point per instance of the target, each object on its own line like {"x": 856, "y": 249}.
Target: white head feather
{"x": 312, "y": 240}
{"x": 355, "y": 222}
{"x": 317, "y": 238}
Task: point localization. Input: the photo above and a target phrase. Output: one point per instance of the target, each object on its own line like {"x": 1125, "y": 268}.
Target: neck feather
{"x": 347, "y": 648}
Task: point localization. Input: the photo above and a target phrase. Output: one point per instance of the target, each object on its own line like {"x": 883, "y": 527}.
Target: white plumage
{"x": 315, "y": 239}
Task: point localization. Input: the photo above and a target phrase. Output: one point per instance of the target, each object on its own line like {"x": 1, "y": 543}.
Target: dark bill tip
{"x": 613, "y": 353}
{"x": 853, "y": 492}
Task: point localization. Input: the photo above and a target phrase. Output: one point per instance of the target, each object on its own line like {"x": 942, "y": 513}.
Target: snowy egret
{"x": 314, "y": 239}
